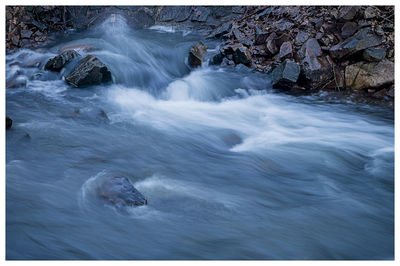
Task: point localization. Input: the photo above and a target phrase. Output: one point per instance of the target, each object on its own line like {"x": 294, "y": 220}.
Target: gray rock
{"x": 310, "y": 48}
{"x": 285, "y": 50}
{"x": 89, "y": 71}
{"x": 221, "y": 30}
{"x": 362, "y": 40}
{"x": 349, "y": 28}
{"x": 317, "y": 71}
{"x": 120, "y": 191}
{"x": 238, "y": 9}
{"x": 374, "y": 54}
{"x": 260, "y": 36}
{"x": 283, "y": 25}
{"x": 348, "y": 12}
{"x": 285, "y": 74}
{"x": 271, "y": 44}
{"x": 58, "y": 62}
{"x": 369, "y": 75}
{"x": 301, "y": 37}
{"x": 26, "y": 34}
{"x": 201, "y": 14}
{"x": 196, "y": 54}
{"x": 369, "y": 13}
{"x": 177, "y": 13}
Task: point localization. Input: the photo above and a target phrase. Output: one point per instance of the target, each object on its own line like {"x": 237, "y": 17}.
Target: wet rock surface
{"x": 89, "y": 71}
{"x": 120, "y": 191}
{"x": 58, "y": 62}
{"x": 196, "y": 54}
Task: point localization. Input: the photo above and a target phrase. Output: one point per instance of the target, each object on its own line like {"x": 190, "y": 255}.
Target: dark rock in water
{"x": 374, "y": 54}
{"x": 196, "y": 54}
{"x": 89, "y": 71}
{"x": 58, "y": 62}
{"x": 286, "y": 50}
{"x": 348, "y": 12}
{"x": 285, "y": 75}
{"x": 217, "y": 59}
{"x": 8, "y": 122}
{"x": 363, "y": 39}
{"x": 260, "y": 36}
{"x": 221, "y": 30}
{"x": 369, "y": 75}
{"x": 120, "y": 191}
{"x": 201, "y": 14}
{"x": 349, "y": 28}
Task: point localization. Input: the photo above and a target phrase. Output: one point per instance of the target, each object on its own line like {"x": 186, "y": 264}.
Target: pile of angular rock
{"x": 314, "y": 47}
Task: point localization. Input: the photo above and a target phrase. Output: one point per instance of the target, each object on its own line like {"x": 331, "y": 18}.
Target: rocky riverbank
{"x": 347, "y": 49}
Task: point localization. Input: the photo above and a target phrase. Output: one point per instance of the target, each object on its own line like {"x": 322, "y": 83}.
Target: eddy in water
{"x": 231, "y": 169}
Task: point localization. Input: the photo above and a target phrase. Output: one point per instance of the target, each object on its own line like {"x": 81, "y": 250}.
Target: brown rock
{"x": 369, "y": 75}
{"x": 196, "y": 54}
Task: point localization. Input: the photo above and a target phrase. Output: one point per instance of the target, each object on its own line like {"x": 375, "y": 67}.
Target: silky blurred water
{"x": 230, "y": 168}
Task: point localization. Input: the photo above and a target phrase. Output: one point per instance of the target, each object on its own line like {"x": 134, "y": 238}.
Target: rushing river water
{"x": 230, "y": 168}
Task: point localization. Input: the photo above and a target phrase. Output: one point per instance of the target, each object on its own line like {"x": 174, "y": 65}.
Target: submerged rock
{"x": 120, "y": 191}
{"x": 196, "y": 54}
{"x": 89, "y": 71}
{"x": 58, "y": 62}
{"x": 8, "y": 122}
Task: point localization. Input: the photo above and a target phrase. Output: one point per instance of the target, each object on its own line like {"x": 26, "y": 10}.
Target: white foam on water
{"x": 158, "y": 186}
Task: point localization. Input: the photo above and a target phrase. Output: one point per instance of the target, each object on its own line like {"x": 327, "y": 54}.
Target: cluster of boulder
{"x": 88, "y": 71}
{"x": 314, "y": 47}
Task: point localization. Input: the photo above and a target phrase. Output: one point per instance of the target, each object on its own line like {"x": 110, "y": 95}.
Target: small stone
{"x": 302, "y": 36}
{"x": 26, "y": 34}
{"x": 286, "y": 49}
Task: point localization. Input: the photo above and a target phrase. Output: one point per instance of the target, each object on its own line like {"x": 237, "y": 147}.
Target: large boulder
{"x": 369, "y": 75}
{"x": 285, "y": 75}
{"x": 89, "y": 71}
{"x": 8, "y": 122}
{"x": 58, "y": 62}
{"x": 363, "y": 39}
{"x": 120, "y": 191}
{"x": 196, "y": 54}
{"x": 317, "y": 71}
